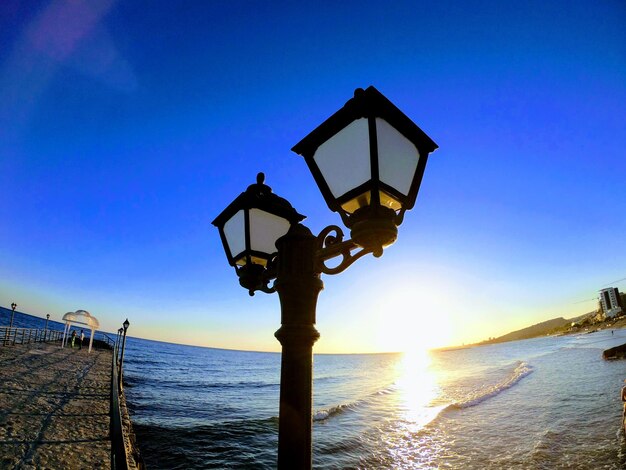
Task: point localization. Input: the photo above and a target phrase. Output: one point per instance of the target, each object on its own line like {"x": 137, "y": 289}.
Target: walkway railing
{"x": 108, "y": 340}
{"x": 119, "y": 458}
{"x": 9, "y": 336}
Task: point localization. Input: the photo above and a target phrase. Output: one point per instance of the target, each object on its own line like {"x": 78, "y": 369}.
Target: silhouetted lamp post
{"x": 13, "y": 307}
{"x": 368, "y": 160}
{"x": 126, "y": 324}
{"x": 117, "y": 342}
{"x": 45, "y": 330}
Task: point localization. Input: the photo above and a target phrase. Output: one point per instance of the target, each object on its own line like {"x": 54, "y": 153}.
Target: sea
{"x": 542, "y": 403}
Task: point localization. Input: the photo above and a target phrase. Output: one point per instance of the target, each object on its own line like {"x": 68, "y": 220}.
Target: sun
{"x": 407, "y": 320}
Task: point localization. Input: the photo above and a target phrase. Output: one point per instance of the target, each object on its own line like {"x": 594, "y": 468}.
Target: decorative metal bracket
{"x": 332, "y": 245}
{"x": 259, "y": 277}
{"x": 264, "y": 288}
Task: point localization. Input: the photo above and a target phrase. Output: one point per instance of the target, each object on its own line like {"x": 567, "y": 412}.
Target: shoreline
{"x": 133, "y": 452}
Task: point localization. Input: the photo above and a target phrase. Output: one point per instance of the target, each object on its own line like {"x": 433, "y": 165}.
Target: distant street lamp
{"x": 13, "y": 307}
{"x": 126, "y": 324}
{"x": 368, "y": 160}
{"x": 45, "y": 332}
{"x": 117, "y": 341}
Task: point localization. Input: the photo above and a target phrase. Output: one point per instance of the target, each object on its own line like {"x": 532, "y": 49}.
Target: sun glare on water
{"x": 418, "y": 388}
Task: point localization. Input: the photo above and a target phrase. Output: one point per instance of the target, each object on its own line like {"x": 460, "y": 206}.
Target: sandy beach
{"x": 54, "y": 407}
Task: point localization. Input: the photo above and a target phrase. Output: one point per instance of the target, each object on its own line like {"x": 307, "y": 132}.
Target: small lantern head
{"x": 249, "y": 228}
{"x": 368, "y": 160}
{"x": 126, "y": 324}
{"x": 120, "y": 331}
{"x": 47, "y": 316}
{"x": 13, "y": 306}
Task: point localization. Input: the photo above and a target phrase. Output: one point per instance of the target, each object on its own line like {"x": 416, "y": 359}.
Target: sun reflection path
{"x": 418, "y": 389}
{"x": 410, "y": 443}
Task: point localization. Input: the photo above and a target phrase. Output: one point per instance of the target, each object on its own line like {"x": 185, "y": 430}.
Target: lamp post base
{"x": 296, "y": 397}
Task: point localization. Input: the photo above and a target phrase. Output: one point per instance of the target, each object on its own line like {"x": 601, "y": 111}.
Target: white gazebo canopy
{"x": 82, "y": 317}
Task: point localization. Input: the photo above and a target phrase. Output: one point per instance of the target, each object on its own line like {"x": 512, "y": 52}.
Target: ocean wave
{"x": 322, "y": 415}
{"x": 521, "y": 370}
{"x": 547, "y": 448}
{"x": 326, "y": 413}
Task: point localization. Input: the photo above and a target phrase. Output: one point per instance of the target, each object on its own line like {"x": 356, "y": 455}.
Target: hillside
{"x": 540, "y": 329}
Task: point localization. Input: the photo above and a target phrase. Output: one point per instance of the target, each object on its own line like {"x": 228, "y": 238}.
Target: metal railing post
{"x": 119, "y": 458}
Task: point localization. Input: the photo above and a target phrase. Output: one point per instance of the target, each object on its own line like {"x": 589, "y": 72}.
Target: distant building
{"x": 611, "y": 302}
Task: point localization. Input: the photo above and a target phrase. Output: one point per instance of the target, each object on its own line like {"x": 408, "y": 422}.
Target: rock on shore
{"x": 618, "y": 352}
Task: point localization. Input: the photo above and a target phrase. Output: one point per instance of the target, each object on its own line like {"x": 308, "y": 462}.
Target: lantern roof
{"x": 365, "y": 103}
{"x": 259, "y": 196}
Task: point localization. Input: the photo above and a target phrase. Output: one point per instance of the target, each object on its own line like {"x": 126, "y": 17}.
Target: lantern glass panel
{"x": 387, "y": 200}
{"x": 356, "y": 203}
{"x": 344, "y": 159}
{"x": 365, "y": 199}
{"x": 397, "y": 158}
{"x": 235, "y": 232}
{"x": 253, "y": 259}
{"x": 265, "y": 229}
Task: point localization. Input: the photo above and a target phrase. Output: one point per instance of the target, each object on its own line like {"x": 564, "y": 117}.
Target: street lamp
{"x": 13, "y": 307}
{"x": 368, "y": 160}
{"x": 117, "y": 339}
{"x": 126, "y": 324}
{"x": 7, "y": 333}
{"x": 45, "y": 332}
{"x": 249, "y": 228}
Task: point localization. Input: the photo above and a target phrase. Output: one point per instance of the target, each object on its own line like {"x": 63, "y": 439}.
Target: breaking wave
{"x": 521, "y": 370}
{"x": 321, "y": 415}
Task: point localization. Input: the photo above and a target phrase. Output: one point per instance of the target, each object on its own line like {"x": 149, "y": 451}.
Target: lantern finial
{"x": 260, "y": 178}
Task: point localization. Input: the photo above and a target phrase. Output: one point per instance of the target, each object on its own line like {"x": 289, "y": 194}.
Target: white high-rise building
{"x": 611, "y": 302}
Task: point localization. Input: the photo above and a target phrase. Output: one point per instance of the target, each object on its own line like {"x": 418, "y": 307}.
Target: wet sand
{"x": 54, "y": 407}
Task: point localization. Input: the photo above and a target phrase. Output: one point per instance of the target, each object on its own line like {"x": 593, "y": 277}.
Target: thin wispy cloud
{"x": 63, "y": 34}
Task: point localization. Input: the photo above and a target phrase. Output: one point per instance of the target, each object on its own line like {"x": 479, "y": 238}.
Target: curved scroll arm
{"x": 265, "y": 288}
{"x": 332, "y": 245}
{"x": 268, "y": 275}
{"x": 400, "y": 217}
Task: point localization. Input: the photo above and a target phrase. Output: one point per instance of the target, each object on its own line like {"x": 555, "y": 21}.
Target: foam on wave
{"x": 321, "y": 415}
{"x": 521, "y": 370}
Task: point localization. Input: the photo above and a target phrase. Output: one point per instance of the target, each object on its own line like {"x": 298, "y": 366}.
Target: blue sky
{"x": 126, "y": 127}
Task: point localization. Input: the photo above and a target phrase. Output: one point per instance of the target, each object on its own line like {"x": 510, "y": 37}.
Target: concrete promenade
{"x": 54, "y": 407}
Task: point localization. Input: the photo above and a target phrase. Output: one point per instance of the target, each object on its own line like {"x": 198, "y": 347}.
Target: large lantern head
{"x": 249, "y": 228}
{"x": 368, "y": 160}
